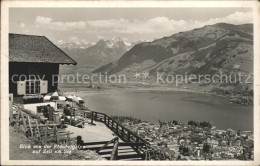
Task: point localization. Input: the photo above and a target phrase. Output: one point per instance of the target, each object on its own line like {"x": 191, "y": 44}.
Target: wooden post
{"x": 24, "y": 122}
{"x": 17, "y": 122}
{"x": 137, "y": 139}
{"x": 96, "y": 116}
{"x": 57, "y": 138}
{"x": 79, "y": 142}
{"x": 109, "y": 123}
{"x": 146, "y": 153}
{"x": 112, "y": 124}
{"x": 123, "y": 132}
{"x": 68, "y": 138}
{"x": 128, "y": 136}
{"x": 92, "y": 116}
{"x": 38, "y": 130}
{"x": 117, "y": 129}
{"x": 55, "y": 133}
{"x": 11, "y": 116}
{"x": 114, "y": 155}
{"x": 10, "y": 109}
{"x": 30, "y": 126}
{"x": 46, "y": 132}
{"x": 34, "y": 132}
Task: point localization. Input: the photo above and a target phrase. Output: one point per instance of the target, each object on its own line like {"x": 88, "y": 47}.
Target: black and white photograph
{"x": 132, "y": 82}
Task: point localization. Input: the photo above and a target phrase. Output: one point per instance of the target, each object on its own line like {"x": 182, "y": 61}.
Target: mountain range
{"x": 211, "y": 49}
{"x": 213, "y": 46}
{"x": 96, "y": 54}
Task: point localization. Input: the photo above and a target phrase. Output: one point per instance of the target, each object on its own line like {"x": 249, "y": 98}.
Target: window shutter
{"x": 44, "y": 87}
{"x": 21, "y": 87}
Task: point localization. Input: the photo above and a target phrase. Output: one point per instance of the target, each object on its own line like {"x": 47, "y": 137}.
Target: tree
{"x": 192, "y": 123}
{"x": 238, "y": 132}
{"x": 206, "y": 148}
{"x": 175, "y": 122}
{"x": 205, "y": 124}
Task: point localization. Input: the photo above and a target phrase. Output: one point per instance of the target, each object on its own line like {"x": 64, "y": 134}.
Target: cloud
{"x": 132, "y": 29}
{"x": 43, "y": 20}
{"x": 136, "y": 26}
{"x": 235, "y": 18}
{"x": 164, "y": 24}
{"x": 111, "y": 23}
{"x": 158, "y": 24}
{"x": 153, "y": 25}
{"x": 61, "y": 42}
{"x": 48, "y": 23}
{"x": 100, "y": 37}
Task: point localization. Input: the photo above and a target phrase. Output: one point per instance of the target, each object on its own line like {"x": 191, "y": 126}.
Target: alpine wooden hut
{"x": 37, "y": 56}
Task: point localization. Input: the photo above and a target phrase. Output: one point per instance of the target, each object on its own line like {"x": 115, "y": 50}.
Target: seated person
{"x": 51, "y": 114}
{"x": 67, "y": 111}
{"x": 46, "y": 111}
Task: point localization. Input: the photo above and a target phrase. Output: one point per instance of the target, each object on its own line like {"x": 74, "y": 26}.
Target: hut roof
{"x": 38, "y": 49}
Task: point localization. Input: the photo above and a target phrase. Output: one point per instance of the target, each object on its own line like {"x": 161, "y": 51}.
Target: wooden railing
{"x": 106, "y": 145}
{"x": 42, "y": 133}
{"x": 116, "y": 153}
{"x": 122, "y": 132}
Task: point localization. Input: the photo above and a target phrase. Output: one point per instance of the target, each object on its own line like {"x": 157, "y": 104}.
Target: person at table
{"x": 46, "y": 111}
{"x": 51, "y": 113}
{"x": 67, "y": 111}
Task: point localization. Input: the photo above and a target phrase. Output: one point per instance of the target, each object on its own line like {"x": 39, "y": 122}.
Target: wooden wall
{"x": 38, "y": 69}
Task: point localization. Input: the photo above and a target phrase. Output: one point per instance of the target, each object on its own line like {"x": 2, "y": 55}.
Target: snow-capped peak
{"x": 111, "y": 43}
{"x": 74, "y": 45}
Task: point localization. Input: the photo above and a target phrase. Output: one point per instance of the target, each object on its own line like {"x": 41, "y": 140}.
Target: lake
{"x": 155, "y": 105}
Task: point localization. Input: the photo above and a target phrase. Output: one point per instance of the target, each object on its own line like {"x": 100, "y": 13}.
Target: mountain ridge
{"x": 179, "y": 43}
{"x": 209, "y": 50}
{"x": 102, "y": 52}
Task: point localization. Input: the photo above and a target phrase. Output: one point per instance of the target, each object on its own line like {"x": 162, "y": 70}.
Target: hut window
{"x": 32, "y": 86}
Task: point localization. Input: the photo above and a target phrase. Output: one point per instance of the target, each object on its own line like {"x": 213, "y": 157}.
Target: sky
{"x": 88, "y": 25}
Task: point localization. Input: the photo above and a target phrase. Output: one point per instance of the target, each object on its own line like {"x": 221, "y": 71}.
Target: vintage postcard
{"x": 130, "y": 82}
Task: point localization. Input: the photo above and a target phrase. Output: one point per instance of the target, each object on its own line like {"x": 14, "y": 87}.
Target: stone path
{"x": 92, "y": 133}
{"x": 97, "y": 133}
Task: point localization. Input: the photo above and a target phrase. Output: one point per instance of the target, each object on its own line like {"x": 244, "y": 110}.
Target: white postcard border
{"x": 5, "y": 5}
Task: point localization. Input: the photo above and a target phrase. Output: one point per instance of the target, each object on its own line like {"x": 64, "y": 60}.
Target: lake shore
{"x": 80, "y": 89}
{"x": 194, "y": 88}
